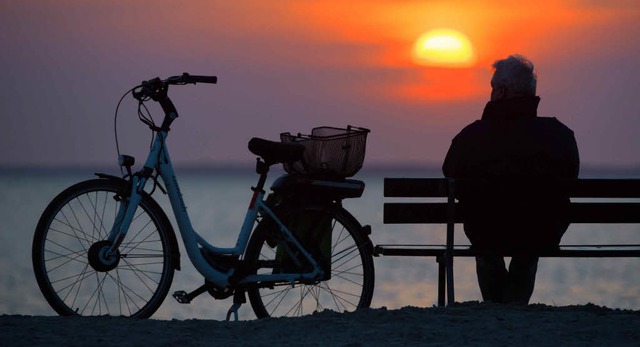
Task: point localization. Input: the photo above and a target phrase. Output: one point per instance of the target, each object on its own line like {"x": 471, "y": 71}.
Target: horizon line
{"x": 428, "y": 168}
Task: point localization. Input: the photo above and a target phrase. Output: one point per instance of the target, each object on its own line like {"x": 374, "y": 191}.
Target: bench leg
{"x": 449, "y": 270}
{"x": 441, "y": 280}
{"x": 448, "y": 255}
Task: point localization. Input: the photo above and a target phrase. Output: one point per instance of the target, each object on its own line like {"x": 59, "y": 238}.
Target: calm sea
{"x": 217, "y": 199}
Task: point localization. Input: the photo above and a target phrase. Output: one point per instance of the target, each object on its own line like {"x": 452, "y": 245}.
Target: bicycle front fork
{"x": 129, "y": 200}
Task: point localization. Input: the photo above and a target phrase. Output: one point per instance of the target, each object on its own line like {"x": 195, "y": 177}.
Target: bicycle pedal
{"x": 182, "y": 297}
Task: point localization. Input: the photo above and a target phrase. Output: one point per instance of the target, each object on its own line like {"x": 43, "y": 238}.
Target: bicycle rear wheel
{"x": 67, "y": 263}
{"x": 349, "y": 288}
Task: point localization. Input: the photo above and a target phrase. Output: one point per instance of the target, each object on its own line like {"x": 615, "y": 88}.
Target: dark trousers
{"x": 522, "y": 226}
{"x": 515, "y": 285}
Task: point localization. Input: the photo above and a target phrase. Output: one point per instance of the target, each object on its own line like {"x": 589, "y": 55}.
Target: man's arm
{"x": 452, "y": 162}
{"x": 574, "y": 158}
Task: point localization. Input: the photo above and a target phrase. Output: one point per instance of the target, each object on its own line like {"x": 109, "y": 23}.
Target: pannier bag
{"x": 312, "y": 228}
{"x": 329, "y": 151}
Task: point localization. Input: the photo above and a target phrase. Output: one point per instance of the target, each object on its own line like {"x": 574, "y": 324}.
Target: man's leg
{"x": 492, "y": 277}
{"x": 521, "y": 279}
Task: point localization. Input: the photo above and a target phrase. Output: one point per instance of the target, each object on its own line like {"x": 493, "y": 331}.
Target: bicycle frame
{"x": 158, "y": 158}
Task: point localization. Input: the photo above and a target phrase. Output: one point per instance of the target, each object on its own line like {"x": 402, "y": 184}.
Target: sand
{"x": 472, "y": 323}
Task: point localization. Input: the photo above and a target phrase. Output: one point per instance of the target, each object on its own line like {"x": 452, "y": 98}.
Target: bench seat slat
{"x": 416, "y": 213}
{"x": 586, "y": 251}
{"x": 581, "y": 188}
{"x": 606, "y": 188}
{"x": 415, "y": 187}
{"x": 436, "y": 213}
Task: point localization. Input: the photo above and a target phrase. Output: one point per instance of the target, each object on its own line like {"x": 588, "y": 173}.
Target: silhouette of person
{"x": 500, "y": 154}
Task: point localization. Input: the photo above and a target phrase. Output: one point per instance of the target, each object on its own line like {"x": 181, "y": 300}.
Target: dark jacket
{"x": 508, "y": 145}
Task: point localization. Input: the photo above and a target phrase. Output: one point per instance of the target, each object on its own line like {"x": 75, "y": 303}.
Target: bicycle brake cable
{"x": 115, "y": 123}
{"x": 147, "y": 118}
{"x": 144, "y": 115}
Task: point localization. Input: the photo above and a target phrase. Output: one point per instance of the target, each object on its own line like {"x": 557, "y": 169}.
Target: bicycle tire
{"x": 82, "y": 216}
{"x": 349, "y": 288}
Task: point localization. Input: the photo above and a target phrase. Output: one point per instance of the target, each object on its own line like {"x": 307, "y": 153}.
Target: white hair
{"x": 516, "y": 74}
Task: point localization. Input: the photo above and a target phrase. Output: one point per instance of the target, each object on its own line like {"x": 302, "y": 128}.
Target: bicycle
{"x": 105, "y": 246}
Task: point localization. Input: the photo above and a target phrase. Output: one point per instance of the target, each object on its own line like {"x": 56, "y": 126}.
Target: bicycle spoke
{"x": 345, "y": 261}
{"x": 128, "y": 246}
{"x": 71, "y": 251}
{"x": 295, "y": 307}
{"x": 352, "y": 274}
{"x": 69, "y": 259}
{"x": 349, "y": 287}
{"x": 101, "y": 235}
{"x": 77, "y": 276}
{"x": 93, "y": 294}
{"x": 129, "y": 300}
{"x": 345, "y": 253}
{"x": 339, "y": 300}
{"x": 126, "y": 289}
{"x": 315, "y": 292}
{"x": 73, "y": 236}
{"x": 122, "y": 294}
{"x": 100, "y": 296}
{"x": 78, "y": 218}
{"x": 280, "y": 295}
{"x": 133, "y": 222}
{"x": 312, "y": 290}
{"x": 150, "y": 272}
{"x": 333, "y": 297}
{"x": 137, "y": 272}
{"x": 91, "y": 220}
{"x": 79, "y": 279}
{"x": 74, "y": 229}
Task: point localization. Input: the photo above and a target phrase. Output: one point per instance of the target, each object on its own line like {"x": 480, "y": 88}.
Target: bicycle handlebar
{"x": 185, "y": 78}
{"x": 156, "y": 88}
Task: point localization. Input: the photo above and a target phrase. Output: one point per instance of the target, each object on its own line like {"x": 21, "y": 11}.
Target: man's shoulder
{"x": 553, "y": 122}
{"x": 473, "y": 127}
{"x": 481, "y": 125}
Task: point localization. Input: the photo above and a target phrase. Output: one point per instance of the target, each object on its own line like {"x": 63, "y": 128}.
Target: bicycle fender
{"x": 163, "y": 216}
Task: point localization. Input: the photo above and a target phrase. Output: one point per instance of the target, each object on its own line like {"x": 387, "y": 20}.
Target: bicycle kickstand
{"x": 238, "y": 300}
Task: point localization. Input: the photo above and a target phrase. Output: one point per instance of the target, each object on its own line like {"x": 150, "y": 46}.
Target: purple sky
{"x": 286, "y": 68}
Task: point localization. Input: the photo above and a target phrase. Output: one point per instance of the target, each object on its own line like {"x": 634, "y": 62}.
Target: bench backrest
{"x": 581, "y": 212}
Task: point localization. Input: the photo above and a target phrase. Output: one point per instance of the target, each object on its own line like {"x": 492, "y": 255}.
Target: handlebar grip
{"x": 204, "y": 79}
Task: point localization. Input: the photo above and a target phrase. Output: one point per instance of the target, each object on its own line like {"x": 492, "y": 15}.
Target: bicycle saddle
{"x": 276, "y": 152}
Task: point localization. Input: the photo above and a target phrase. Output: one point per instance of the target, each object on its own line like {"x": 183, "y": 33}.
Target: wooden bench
{"x": 619, "y": 207}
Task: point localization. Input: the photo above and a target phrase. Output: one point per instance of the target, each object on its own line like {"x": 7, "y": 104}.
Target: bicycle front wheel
{"x": 349, "y": 288}
{"x": 67, "y": 245}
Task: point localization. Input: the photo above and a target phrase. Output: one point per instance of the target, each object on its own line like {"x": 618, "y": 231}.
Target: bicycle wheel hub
{"x": 98, "y": 258}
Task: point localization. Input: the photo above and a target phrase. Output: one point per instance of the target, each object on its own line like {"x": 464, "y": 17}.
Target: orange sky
{"x": 495, "y": 28}
{"x": 380, "y": 35}
{"x": 304, "y": 63}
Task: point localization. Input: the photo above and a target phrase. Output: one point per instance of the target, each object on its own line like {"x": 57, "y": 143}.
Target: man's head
{"x": 513, "y": 77}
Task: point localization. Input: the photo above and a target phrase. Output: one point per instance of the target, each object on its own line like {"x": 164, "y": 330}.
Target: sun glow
{"x": 444, "y": 48}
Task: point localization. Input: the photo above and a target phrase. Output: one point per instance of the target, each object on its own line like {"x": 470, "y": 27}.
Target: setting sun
{"x": 444, "y": 48}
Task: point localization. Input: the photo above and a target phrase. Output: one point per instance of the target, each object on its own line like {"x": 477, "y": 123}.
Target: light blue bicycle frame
{"x": 159, "y": 158}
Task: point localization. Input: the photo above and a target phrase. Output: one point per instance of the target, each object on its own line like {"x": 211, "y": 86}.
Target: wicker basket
{"x": 334, "y": 152}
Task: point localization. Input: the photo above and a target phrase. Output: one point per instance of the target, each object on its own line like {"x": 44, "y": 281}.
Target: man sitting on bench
{"x": 509, "y": 145}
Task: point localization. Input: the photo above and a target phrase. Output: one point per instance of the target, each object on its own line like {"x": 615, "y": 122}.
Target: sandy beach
{"x": 471, "y": 323}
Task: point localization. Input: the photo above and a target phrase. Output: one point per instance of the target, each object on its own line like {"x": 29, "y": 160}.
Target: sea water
{"x": 217, "y": 200}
